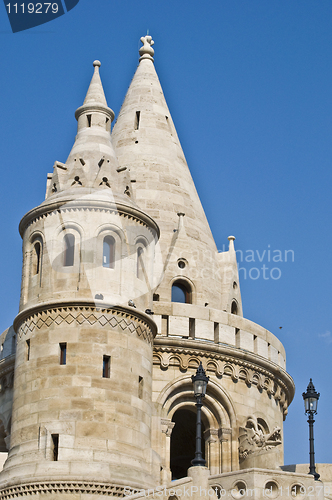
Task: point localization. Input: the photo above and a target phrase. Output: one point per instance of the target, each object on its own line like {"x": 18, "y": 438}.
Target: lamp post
{"x": 200, "y": 381}
{"x": 311, "y": 398}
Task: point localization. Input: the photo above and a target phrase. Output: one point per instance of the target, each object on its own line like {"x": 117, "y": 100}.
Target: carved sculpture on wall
{"x": 255, "y": 437}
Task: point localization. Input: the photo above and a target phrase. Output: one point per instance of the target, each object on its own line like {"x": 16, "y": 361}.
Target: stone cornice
{"x": 86, "y": 204}
{"x": 86, "y": 312}
{"x": 64, "y": 487}
{"x": 226, "y": 360}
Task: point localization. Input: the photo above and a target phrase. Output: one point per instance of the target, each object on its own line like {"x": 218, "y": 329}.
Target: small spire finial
{"x": 146, "y": 52}
{"x": 96, "y": 63}
{"x": 231, "y": 243}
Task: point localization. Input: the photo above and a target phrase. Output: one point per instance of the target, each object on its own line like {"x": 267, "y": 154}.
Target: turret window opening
{"x": 140, "y": 387}
{"x": 140, "y": 268}
{"x": 137, "y": 119}
{"x": 88, "y": 120}
{"x": 108, "y": 124}
{"x": 181, "y": 292}
{"x": 27, "y": 350}
{"x": 234, "y": 307}
{"x": 69, "y": 250}
{"x": 109, "y": 252}
{"x": 106, "y": 366}
{"x": 36, "y": 258}
{"x": 55, "y": 447}
{"x": 63, "y": 353}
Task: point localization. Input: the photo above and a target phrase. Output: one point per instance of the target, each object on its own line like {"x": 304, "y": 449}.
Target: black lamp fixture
{"x": 311, "y": 398}
{"x": 200, "y": 381}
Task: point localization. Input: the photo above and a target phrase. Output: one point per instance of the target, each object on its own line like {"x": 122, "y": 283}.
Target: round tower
{"x": 82, "y": 391}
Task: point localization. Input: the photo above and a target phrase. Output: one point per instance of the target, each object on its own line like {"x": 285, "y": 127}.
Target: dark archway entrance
{"x": 183, "y": 442}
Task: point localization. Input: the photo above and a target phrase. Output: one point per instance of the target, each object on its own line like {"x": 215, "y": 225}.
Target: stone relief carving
{"x": 253, "y": 438}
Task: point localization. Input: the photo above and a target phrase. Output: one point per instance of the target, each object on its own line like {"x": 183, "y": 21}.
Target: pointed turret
{"x": 92, "y": 162}
{"x": 231, "y": 296}
{"x": 145, "y": 141}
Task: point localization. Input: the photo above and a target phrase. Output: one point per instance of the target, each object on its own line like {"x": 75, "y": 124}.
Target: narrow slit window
{"x": 109, "y": 252}
{"x": 140, "y": 263}
{"x": 106, "y": 366}
{"x": 69, "y": 250}
{"x": 36, "y": 257}
{"x": 89, "y": 120}
{"x": 55, "y": 447}
{"x": 140, "y": 387}
{"x": 137, "y": 119}
{"x": 27, "y": 347}
{"x": 192, "y": 328}
{"x": 63, "y": 353}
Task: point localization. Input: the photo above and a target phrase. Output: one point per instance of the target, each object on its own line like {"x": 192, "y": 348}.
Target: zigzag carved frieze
{"x": 223, "y": 366}
{"x": 86, "y": 315}
{"x": 53, "y": 487}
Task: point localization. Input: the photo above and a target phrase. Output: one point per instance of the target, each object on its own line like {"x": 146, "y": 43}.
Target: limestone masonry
{"x": 123, "y": 294}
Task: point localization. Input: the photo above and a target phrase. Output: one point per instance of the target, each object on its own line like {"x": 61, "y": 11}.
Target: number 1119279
{"x": 31, "y": 8}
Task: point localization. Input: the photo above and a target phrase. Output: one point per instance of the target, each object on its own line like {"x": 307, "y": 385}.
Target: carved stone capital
{"x": 167, "y": 426}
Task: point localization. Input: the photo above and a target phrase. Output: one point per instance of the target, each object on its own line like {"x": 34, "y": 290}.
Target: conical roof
{"x": 145, "y": 140}
{"x": 92, "y": 163}
{"x": 95, "y": 93}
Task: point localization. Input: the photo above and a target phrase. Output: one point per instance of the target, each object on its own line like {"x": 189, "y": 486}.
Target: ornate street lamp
{"x": 311, "y": 398}
{"x": 200, "y": 381}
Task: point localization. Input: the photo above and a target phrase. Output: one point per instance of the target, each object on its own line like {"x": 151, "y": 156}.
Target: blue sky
{"x": 248, "y": 84}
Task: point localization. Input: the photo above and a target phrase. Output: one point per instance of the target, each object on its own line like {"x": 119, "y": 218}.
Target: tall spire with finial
{"x": 92, "y": 161}
{"x": 145, "y": 140}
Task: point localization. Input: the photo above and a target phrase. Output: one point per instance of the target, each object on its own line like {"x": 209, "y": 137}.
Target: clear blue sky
{"x": 248, "y": 83}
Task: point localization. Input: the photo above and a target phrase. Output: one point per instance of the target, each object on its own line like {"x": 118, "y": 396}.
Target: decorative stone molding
{"x": 226, "y": 365}
{"x": 167, "y": 426}
{"x": 75, "y": 487}
{"x": 253, "y": 439}
{"x": 85, "y": 315}
{"x": 211, "y": 435}
{"x": 224, "y": 434}
{"x": 85, "y": 205}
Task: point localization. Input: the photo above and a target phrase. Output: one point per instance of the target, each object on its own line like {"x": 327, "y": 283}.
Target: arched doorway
{"x": 183, "y": 442}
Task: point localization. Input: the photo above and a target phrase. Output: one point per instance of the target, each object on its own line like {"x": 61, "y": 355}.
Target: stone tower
{"x": 123, "y": 295}
{"x": 83, "y": 373}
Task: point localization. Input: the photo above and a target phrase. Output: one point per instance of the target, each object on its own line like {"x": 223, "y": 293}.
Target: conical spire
{"x": 145, "y": 140}
{"x": 92, "y": 162}
{"x": 95, "y": 93}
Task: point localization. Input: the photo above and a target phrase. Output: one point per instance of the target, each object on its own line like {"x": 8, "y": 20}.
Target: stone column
{"x": 167, "y": 427}
{"x": 212, "y": 450}
{"x": 225, "y": 438}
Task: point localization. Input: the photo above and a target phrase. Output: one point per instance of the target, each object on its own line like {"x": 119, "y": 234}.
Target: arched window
{"x": 234, "y": 307}
{"x": 140, "y": 262}
{"x": 36, "y": 258}
{"x": 69, "y": 250}
{"x": 109, "y": 252}
{"x": 181, "y": 292}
